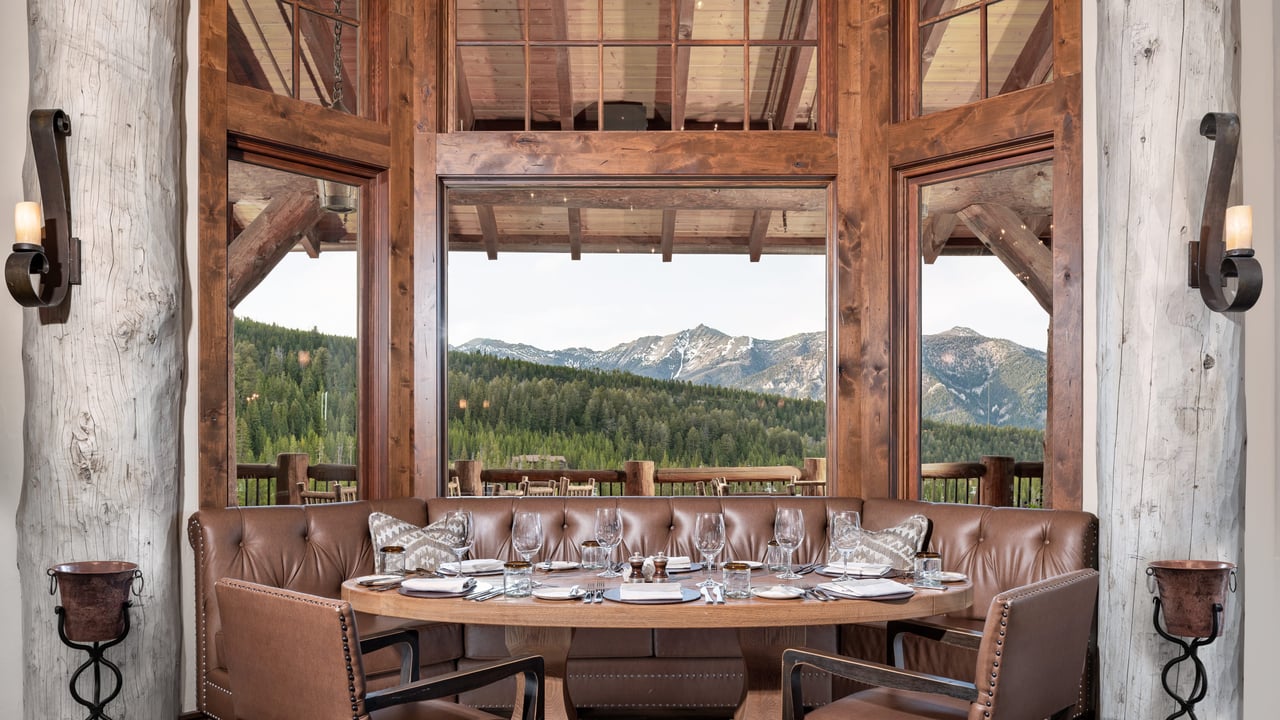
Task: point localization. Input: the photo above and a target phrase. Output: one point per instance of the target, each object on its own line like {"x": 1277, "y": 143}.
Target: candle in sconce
{"x": 1237, "y": 231}
{"x": 28, "y": 225}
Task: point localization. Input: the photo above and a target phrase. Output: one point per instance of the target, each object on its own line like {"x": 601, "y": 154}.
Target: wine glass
{"x": 708, "y": 537}
{"x": 526, "y": 534}
{"x": 464, "y": 535}
{"x": 846, "y": 532}
{"x": 788, "y": 530}
{"x": 609, "y": 535}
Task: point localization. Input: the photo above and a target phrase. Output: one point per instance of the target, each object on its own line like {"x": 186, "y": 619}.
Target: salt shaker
{"x": 637, "y": 568}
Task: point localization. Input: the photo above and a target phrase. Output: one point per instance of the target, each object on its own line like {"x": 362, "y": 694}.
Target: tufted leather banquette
{"x": 314, "y": 548}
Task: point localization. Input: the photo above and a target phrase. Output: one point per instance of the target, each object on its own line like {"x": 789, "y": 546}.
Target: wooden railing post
{"x": 996, "y": 487}
{"x": 291, "y": 469}
{"x": 469, "y": 476}
{"x": 815, "y": 472}
{"x": 640, "y": 476}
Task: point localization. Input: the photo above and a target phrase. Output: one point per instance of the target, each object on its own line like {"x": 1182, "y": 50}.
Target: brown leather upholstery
{"x": 1033, "y": 648}
{"x": 291, "y": 655}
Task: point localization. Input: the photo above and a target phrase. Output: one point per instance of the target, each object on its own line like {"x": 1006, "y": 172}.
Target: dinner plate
{"x": 692, "y": 567}
{"x": 952, "y": 577}
{"x": 558, "y": 593}
{"x": 837, "y": 571}
{"x": 686, "y": 595}
{"x": 753, "y": 564}
{"x": 554, "y": 565}
{"x": 476, "y": 588}
{"x": 840, "y": 590}
{"x": 778, "y": 592}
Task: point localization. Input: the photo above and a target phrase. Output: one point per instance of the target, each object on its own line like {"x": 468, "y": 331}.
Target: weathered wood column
{"x": 1171, "y": 432}
{"x": 101, "y": 472}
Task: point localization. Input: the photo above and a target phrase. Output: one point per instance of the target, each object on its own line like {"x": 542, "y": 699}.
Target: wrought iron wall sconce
{"x": 1225, "y": 248}
{"x": 46, "y": 259}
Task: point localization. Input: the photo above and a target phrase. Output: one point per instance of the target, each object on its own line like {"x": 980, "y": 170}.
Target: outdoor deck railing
{"x": 997, "y": 480}
{"x": 277, "y": 483}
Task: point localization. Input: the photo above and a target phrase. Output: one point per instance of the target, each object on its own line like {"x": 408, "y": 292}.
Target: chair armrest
{"x": 862, "y": 671}
{"x": 530, "y": 666}
{"x": 410, "y": 664}
{"x": 895, "y": 629}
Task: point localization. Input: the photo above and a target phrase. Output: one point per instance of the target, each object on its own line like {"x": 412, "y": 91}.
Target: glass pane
{"x": 568, "y": 70}
{"x": 930, "y": 9}
{"x": 715, "y": 95}
{"x": 260, "y": 44}
{"x": 1019, "y": 45}
{"x": 784, "y": 84}
{"x": 985, "y": 287}
{"x": 324, "y": 79}
{"x": 630, "y": 88}
{"x": 637, "y": 20}
{"x": 717, "y": 19}
{"x": 490, "y": 19}
{"x": 493, "y": 79}
{"x": 950, "y": 63}
{"x": 294, "y": 349}
{"x": 783, "y": 20}
{"x": 577, "y": 21}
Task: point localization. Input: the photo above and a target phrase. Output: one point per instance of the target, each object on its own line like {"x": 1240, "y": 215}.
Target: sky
{"x": 551, "y": 302}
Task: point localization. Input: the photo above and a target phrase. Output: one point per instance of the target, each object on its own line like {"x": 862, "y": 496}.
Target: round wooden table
{"x": 765, "y": 627}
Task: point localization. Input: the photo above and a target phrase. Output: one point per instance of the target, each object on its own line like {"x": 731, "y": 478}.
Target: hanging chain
{"x": 337, "y": 103}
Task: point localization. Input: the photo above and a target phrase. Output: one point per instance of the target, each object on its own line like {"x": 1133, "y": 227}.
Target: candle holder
{"x": 93, "y": 617}
{"x": 1191, "y": 595}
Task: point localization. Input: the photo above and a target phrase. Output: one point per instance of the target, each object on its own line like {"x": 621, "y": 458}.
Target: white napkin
{"x": 557, "y": 593}
{"x": 473, "y": 566}
{"x": 558, "y": 565}
{"x": 676, "y": 562}
{"x": 858, "y": 568}
{"x": 438, "y": 585}
{"x": 650, "y": 591}
{"x": 868, "y": 588}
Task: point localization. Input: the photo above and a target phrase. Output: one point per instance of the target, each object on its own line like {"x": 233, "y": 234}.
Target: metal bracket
{"x": 1208, "y": 265}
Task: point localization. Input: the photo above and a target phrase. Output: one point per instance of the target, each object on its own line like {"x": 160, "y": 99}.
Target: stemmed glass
{"x": 708, "y": 537}
{"x": 846, "y": 532}
{"x": 788, "y": 530}
{"x": 609, "y": 535}
{"x": 526, "y": 534}
{"x": 464, "y": 535}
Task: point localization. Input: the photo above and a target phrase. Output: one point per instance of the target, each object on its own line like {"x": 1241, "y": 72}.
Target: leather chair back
{"x": 1033, "y": 647}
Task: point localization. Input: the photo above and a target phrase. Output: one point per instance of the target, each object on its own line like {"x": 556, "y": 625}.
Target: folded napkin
{"x": 473, "y": 566}
{"x": 558, "y": 565}
{"x": 676, "y": 562}
{"x": 650, "y": 591}
{"x": 868, "y": 588}
{"x": 438, "y": 585}
{"x": 858, "y": 568}
{"x": 779, "y": 592}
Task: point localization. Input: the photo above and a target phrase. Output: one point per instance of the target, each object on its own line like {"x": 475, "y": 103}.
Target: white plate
{"x": 778, "y": 592}
{"x": 753, "y": 564}
{"x": 952, "y": 577}
{"x": 558, "y": 593}
{"x": 486, "y": 566}
{"x": 553, "y": 565}
{"x": 371, "y": 580}
{"x": 479, "y": 587}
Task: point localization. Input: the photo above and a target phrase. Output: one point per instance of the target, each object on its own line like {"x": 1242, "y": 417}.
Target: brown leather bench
{"x": 313, "y": 549}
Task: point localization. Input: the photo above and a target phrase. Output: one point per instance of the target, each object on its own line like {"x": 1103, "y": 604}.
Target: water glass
{"x": 737, "y": 580}
{"x": 592, "y": 555}
{"x": 775, "y": 557}
{"x": 928, "y": 570}
{"x": 517, "y": 579}
{"x": 391, "y": 560}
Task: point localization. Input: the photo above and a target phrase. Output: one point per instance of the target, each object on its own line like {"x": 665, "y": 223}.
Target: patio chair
{"x": 453, "y": 488}
{"x": 319, "y": 497}
{"x": 537, "y": 488}
{"x": 290, "y": 655}
{"x": 1030, "y": 655}
{"x": 569, "y": 488}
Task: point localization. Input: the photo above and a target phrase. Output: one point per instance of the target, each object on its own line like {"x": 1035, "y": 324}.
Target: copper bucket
{"x": 1188, "y": 590}
{"x": 93, "y": 597}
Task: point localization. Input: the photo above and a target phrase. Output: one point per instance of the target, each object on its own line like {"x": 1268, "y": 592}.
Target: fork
{"x": 599, "y": 595}
{"x": 589, "y": 597}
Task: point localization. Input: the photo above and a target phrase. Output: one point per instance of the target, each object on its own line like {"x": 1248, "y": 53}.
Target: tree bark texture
{"x": 1171, "y": 433}
{"x": 101, "y": 476}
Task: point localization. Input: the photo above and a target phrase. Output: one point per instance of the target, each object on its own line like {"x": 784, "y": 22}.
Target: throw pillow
{"x": 894, "y": 546}
{"x": 424, "y": 548}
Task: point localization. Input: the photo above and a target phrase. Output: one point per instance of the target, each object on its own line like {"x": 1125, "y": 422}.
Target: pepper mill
{"x": 637, "y": 569}
{"x": 660, "y": 568}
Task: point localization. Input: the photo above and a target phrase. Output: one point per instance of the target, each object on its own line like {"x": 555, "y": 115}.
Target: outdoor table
{"x": 765, "y": 627}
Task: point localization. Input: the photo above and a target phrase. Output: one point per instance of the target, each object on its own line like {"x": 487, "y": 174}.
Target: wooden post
{"x": 1170, "y": 411}
{"x": 996, "y": 486}
{"x": 469, "y": 476}
{"x": 103, "y": 426}
{"x": 815, "y": 471}
{"x": 640, "y": 475}
{"x": 291, "y": 469}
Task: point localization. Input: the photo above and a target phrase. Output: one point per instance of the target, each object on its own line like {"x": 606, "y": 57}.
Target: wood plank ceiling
{"x": 649, "y": 66}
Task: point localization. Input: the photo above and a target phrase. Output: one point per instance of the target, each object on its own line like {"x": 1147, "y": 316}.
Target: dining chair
{"x": 347, "y": 493}
{"x": 453, "y": 488}
{"x": 292, "y": 655}
{"x": 319, "y": 497}
{"x": 571, "y": 489}
{"x": 541, "y": 488}
{"x": 1030, "y": 656}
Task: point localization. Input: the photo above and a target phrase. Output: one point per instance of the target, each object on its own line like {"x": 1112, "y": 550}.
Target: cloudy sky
{"x": 546, "y": 300}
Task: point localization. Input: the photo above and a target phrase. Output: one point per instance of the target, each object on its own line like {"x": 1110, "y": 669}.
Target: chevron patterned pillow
{"x": 894, "y": 546}
{"x": 425, "y": 548}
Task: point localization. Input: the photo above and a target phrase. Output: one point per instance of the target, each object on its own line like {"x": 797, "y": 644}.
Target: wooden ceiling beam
{"x": 489, "y": 230}
{"x": 564, "y": 86}
{"x": 466, "y": 108}
{"x": 930, "y": 38}
{"x": 668, "y": 241}
{"x": 1008, "y": 238}
{"x": 1036, "y": 58}
{"x": 796, "y": 69}
{"x": 935, "y": 234}
{"x": 680, "y": 74}
{"x": 684, "y": 245}
{"x": 647, "y": 198}
{"x": 575, "y": 234}
{"x": 257, "y": 250}
{"x": 759, "y": 229}
{"x": 243, "y": 65}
